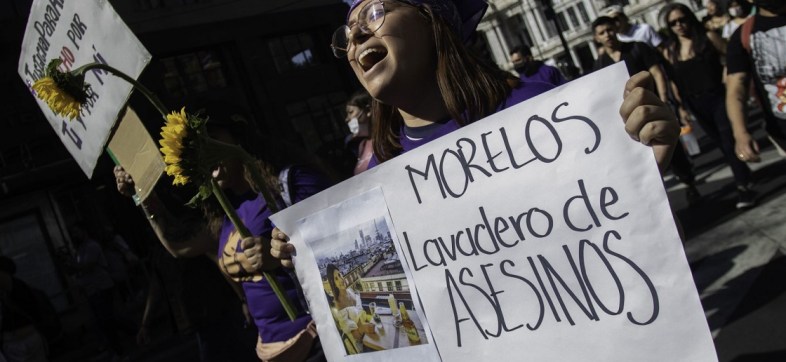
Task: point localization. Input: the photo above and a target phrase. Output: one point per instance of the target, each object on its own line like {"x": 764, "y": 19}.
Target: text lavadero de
{"x": 509, "y": 234}
{"x": 46, "y": 26}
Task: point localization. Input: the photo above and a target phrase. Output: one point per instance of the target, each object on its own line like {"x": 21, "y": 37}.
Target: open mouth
{"x": 370, "y": 57}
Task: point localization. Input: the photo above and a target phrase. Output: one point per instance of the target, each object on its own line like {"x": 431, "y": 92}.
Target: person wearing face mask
{"x": 530, "y": 69}
{"x": 739, "y": 10}
{"x": 716, "y": 17}
{"x": 243, "y": 259}
{"x": 410, "y": 56}
{"x": 757, "y": 50}
{"x": 358, "y": 120}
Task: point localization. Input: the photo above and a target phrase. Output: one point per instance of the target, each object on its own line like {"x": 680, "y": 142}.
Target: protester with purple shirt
{"x": 530, "y": 69}
{"x": 243, "y": 259}
{"x": 410, "y": 56}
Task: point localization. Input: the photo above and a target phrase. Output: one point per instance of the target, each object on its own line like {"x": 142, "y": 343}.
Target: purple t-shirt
{"x": 524, "y": 91}
{"x": 269, "y": 316}
{"x": 545, "y": 74}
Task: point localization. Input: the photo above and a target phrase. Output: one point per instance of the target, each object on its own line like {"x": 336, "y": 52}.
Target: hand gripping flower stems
{"x": 190, "y": 154}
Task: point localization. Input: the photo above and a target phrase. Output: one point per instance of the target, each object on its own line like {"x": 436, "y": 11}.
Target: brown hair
{"x": 214, "y": 214}
{"x": 466, "y": 101}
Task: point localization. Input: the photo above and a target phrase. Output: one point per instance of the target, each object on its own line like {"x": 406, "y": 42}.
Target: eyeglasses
{"x": 682, "y": 20}
{"x": 370, "y": 19}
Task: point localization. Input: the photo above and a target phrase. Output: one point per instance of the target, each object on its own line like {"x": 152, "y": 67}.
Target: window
{"x": 192, "y": 73}
{"x": 519, "y": 26}
{"x": 379, "y": 284}
{"x": 573, "y": 19}
{"x": 583, "y": 12}
{"x": 292, "y": 52}
{"x": 398, "y": 285}
{"x": 390, "y": 286}
{"x": 319, "y": 120}
{"x": 562, "y": 22}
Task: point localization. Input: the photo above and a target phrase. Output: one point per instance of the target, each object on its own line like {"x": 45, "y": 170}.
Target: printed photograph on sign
{"x": 367, "y": 290}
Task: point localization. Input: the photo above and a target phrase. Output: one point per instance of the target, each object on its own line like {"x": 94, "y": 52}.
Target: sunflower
{"x": 64, "y": 93}
{"x": 190, "y": 154}
{"x": 181, "y": 138}
{"x": 173, "y": 137}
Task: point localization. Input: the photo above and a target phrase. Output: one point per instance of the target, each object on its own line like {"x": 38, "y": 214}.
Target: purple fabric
{"x": 524, "y": 91}
{"x": 546, "y": 74}
{"x": 462, "y": 15}
{"x": 268, "y": 314}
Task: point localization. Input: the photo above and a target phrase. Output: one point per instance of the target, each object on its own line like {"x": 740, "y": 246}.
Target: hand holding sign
{"x": 648, "y": 120}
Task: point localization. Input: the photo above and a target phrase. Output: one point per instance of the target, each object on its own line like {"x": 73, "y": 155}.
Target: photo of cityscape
{"x": 367, "y": 289}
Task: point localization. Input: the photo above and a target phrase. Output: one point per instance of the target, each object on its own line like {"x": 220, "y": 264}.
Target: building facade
{"x": 513, "y": 23}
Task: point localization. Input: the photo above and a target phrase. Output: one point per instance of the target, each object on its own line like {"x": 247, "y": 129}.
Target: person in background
{"x": 739, "y": 10}
{"x": 757, "y": 50}
{"x": 120, "y": 260}
{"x": 93, "y": 276}
{"x": 716, "y": 17}
{"x": 695, "y": 55}
{"x": 533, "y": 70}
{"x": 242, "y": 259}
{"x": 638, "y": 56}
{"x": 628, "y": 32}
{"x": 358, "y": 120}
{"x": 409, "y": 55}
{"x": 22, "y": 341}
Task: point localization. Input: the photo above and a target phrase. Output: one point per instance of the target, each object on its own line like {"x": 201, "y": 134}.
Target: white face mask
{"x": 354, "y": 125}
{"x": 735, "y": 12}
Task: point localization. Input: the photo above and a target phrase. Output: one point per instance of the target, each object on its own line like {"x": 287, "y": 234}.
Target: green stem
{"x": 241, "y": 228}
{"x": 138, "y": 86}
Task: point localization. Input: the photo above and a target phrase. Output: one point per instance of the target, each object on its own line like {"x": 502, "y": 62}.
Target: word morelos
{"x": 472, "y": 154}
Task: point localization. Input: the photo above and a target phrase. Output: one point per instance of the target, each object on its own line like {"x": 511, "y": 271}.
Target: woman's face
{"x": 338, "y": 281}
{"x": 228, "y": 173}
{"x": 354, "y": 112}
{"x": 735, "y": 10}
{"x": 678, "y": 22}
{"x": 712, "y": 8}
{"x": 394, "y": 60}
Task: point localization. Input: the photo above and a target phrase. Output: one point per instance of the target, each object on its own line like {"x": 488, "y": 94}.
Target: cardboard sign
{"x": 78, "y": 33}
{"x": 541, "y": 233}
{"x": 132, "y": 147}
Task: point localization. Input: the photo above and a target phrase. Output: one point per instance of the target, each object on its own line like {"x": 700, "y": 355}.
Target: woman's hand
{"x": 649, "y": 120}
{"x": 281, "y": 249}
{"x": 255, "y": 257}
{"x": 125, "y": 184}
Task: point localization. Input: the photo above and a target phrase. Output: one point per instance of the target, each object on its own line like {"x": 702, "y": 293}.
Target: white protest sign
{"x": 540, "y": 233}
{"x": 81, "y": 32}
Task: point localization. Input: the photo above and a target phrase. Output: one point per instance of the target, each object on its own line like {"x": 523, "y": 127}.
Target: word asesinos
{"x": 476, "y": 157}
{"x": 530, "y": 293}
